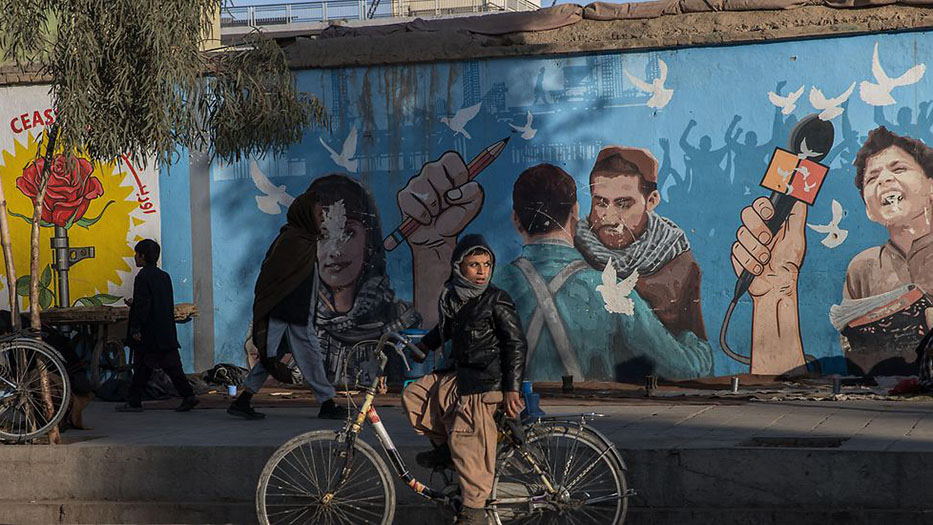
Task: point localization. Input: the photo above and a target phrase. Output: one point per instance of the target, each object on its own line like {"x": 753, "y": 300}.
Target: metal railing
{"x": 324, "y": 10}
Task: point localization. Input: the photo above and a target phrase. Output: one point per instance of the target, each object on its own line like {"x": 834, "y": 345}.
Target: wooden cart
{"x": 106, "y": 325}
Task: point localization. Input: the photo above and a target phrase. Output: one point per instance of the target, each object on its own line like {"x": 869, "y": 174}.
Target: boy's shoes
{"x": 436, "y": 459}
{"x": 471, "y": 516}
{"x": 130, "y": 408}
{"x": 187, "y": 404}
{"x": 241, "y": 408}
{"x": 331, "y": 410}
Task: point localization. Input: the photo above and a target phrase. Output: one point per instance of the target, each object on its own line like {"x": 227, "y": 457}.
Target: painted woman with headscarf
{"x": 356, "y": 301}
{"x": 283, "y": 311}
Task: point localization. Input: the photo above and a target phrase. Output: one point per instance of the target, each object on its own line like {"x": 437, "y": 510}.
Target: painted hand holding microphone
{"x": 770, "y": 246}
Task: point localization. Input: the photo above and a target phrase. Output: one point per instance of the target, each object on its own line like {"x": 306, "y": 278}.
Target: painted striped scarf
{"x": 660, "y": 243}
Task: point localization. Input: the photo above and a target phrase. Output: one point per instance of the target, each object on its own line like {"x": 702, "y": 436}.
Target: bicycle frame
{"x": 367, "y": 412}
{"x": 354, "y": 426}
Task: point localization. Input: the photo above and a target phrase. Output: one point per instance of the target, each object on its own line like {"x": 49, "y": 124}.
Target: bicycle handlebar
{"x": 397, "y": 341}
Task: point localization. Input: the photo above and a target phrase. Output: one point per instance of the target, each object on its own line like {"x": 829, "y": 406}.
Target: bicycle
{"x": 35, "y": 391}
{"x": 551, "y": 470}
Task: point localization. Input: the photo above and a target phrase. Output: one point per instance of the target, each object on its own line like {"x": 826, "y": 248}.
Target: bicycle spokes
{"x": 307, "y": 487}
{"x": 588, "y": 483}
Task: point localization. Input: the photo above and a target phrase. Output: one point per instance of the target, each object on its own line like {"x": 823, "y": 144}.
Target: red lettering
{"x": 37, "y": 118}
{"x": 25, "y": 118}
{"x": 13, "y": 126}
{"x": 49, "y": 117}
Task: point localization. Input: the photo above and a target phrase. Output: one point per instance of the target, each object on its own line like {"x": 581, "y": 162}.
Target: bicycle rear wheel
{"x": 587, "y": 473}
{"x": 34, "y": 389}
{"x": 300, "y": 484}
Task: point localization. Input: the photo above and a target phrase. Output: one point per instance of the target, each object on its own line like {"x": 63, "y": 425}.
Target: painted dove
{"x": 660, "y": 95}
{"x": 460, "y": 119}
{"x": 878, "y": 93}
{"x": 834, "y": 234}
{"x": 347, "y": 152}
{"x": 829, "y": 107}
{"x": 527, "y": 131}
{"x": 787, "y": 104}
{"x": 273, "y": 197}
{"x": 616, "y": 293}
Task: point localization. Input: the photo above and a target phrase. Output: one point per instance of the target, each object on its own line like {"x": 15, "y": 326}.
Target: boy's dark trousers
{"x": 148, "y": 359}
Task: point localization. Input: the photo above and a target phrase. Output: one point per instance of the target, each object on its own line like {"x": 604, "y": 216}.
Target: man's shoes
{"x": 471, "y": 516}
{"x": 241, "y": 408}
{"x": 130, "y": 408}
{"x": 187, "y": 404}
{"x": 331, "y": 410}
{"x": 437, "y": 458}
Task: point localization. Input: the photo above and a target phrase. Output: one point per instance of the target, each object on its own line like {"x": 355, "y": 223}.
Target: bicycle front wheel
{"x": 588, "y": 477}
{"x": 34, "y": 389}
{"x": 302, "y": 483}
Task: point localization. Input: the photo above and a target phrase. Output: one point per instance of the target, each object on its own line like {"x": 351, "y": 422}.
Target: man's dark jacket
{"x": 152, "y": 314}
{"x": 487, "y": 338}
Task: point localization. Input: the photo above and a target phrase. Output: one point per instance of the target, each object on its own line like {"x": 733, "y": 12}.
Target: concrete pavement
{"x": 692, "y": 461}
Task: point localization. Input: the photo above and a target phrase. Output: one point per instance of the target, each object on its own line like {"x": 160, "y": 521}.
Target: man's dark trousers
{"x": 148, "y": 359}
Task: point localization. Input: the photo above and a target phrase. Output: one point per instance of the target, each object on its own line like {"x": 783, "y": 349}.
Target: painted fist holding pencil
{"x": 441, "y": 200}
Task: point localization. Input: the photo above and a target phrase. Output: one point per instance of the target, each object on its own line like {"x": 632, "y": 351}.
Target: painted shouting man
{"x": 623, "y": 227}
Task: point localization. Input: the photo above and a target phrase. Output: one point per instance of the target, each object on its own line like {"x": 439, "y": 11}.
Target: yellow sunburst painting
{"x": 93, "y": 205}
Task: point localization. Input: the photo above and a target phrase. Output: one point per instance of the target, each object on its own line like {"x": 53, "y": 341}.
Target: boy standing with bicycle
{"x": 455, "y": 407}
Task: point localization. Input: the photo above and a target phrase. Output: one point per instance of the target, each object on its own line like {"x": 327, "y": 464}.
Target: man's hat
{"x": 612, "y": 160}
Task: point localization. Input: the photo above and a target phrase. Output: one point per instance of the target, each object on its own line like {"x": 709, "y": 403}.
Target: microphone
{"x": 794, "y": 174}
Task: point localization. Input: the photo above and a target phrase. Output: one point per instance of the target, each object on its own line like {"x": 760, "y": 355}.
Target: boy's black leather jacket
{"x": 488, "y": 343}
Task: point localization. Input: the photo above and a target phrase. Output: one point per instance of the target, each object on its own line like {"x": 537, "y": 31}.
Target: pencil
{"x": 474, "y": 168}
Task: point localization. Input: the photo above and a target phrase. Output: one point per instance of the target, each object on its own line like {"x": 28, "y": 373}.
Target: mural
{"x": 625, "y": 195}
{"x": 92, "y": 214}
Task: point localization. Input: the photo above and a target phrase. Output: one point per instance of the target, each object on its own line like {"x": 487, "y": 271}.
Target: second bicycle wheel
{"x": 301, "y": 484}
{"x": 588, "y": 476}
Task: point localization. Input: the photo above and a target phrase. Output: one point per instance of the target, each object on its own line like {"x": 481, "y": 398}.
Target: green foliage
{"x": 128, "y": 76}
{"x": 97, "y": 300}
{"x": 46, "y": 296}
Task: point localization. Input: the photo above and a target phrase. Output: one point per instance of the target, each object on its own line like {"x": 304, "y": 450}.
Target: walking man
{"x": 152, "y": 333}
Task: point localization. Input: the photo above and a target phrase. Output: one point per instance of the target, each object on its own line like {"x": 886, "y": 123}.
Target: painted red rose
{"x": 71, "y": 188}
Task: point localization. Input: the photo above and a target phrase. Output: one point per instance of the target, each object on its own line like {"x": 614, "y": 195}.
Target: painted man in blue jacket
{"x": 569, "y": 330}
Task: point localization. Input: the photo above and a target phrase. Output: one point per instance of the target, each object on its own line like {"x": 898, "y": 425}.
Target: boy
{"x": 151, "y": 331}
{"x": 456, "y": 408}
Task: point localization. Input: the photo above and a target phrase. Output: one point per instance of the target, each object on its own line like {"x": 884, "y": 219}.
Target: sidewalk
{"x": 692, "y": 460}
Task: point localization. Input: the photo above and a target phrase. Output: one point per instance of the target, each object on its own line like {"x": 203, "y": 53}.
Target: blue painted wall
{"x": 583, "y": 104}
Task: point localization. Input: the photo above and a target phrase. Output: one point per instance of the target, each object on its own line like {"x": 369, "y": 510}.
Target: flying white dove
{"x": 787, "y": 104}
{"x": 273, "y": 196}
{"x": 460, "y": 119}
{"x": 785, "y": 174}
{"x": 346, "y": 152}
{"x": 878, "y": 93}
{"x": 804, "y": 171}
{"x": 834, "y": 234}
{"x": 829, "y": 107}
{"x": 805, "y": 151}
{"x": 527, "y": 131}
{"x": 616, "y": 293}
{"x": 808, "y": 187}
{"x": 660, "y": 95}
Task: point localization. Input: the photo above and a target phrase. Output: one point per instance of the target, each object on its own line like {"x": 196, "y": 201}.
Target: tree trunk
{"x": 35, "y": 321}
{"x": 34, "y": 309}
{"x": 8, "y": 258}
